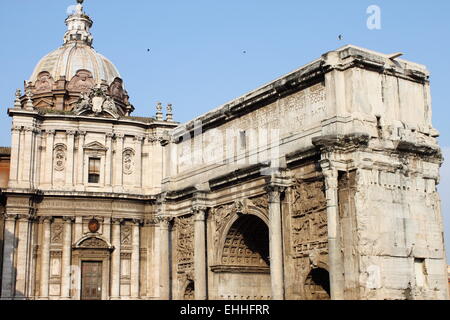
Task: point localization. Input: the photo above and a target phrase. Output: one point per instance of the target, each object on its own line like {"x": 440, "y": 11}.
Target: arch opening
{"x": 244, "y": 266}
{"x": 317, "y": 285}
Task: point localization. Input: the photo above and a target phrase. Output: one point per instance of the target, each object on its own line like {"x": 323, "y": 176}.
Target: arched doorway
{"x": 317, "y": 285}
{"x": 243, "y": 270}
{"x": 91, "y": 265}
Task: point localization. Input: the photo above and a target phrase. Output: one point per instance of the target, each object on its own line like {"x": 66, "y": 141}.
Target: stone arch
{"x": 238, "y": 210}
{"x": 246, "y": 242}
{"x": 189, "y": 290}
{"x": 243, "y": 256}
{"x": 317, "y": 284}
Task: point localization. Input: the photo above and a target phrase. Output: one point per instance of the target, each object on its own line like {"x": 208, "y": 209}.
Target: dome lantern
{"x": 78, "y": 26}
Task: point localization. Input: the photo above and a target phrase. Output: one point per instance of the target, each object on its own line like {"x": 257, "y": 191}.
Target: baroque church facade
{"x": 318, "y": 185}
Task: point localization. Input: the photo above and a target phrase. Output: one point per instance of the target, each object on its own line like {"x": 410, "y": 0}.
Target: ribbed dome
{"x": 72, "y": 57}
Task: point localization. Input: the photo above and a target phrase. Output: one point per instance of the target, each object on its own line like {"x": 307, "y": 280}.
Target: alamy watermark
{"x": 374, "y": 19}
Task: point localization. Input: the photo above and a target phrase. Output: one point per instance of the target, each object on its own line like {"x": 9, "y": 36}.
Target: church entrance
{"x": 91, "y": 280}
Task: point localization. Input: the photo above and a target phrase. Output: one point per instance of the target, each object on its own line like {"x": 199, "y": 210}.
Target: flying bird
{"x": 340, "y": 37}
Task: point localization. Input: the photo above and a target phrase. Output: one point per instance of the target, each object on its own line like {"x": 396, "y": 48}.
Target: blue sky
{"x": 196, "y": 58}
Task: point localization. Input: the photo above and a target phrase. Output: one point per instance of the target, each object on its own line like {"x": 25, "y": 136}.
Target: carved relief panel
{"x": 81, "y": 82}
{"x": 185, "y": 243}
{"x": 309, "y": 220}
{"x": 44, "y": 83}
{"x": 128, "y": 161}
{"x": 57, "y": 233}
{"x": 60, "y": 157}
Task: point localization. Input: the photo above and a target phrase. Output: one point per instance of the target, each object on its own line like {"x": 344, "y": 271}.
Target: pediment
{"x": 92, "y": 241}
{"x": 96, "y": 146}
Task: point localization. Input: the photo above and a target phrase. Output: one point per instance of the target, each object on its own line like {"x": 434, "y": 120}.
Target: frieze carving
{"x": 128, "y": 161}
{"x": 309, "y": 218}
{"x": 185, "y": 242}
{"x": 60, "y": 157}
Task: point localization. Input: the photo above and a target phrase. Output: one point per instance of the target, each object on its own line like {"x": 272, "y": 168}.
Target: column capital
{"x": 118, "y": 221}
{"x": 139, "y": 138}
{"x": 164, "y": 221}
{"x": 330, "y": 173}
{"x": 23, "y": 217}
{"x": 43, "y": 219}
{"x": 199, "y": 212}
{"x": 137, "y": 221}
{"x": 110, "y": 135}
{"x": 69, "y": 220}
{"x": 29, "y": 129}
{"x": 71, "y": 132}
{"x": 16, "y": 129}
{"x": 50, "y": 132}
{"x": 11, "y": 217}
{"x": 119, "y": 136}
{"x": 81, "y": 133}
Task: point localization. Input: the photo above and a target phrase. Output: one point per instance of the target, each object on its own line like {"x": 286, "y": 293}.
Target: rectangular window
{"x": 94, "y": 170}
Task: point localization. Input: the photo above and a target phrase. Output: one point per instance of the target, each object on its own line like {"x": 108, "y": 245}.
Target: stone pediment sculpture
{"x": 97, "y": 102}
{"x": 95, "y": 146}
{"x": 93, "y": 242}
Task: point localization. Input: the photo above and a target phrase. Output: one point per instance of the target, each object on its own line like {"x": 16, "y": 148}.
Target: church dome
{"x": 73, "y": 57}
{"x": 66, "y": 75}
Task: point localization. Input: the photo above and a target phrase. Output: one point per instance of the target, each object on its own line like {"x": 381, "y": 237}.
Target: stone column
{"x": 8, "y": 277}
{"x": 80, "y": 158}
{"x": 15, "y": 149}
{"x": 276, "y": 241}
{"x": 48, "y": 180}
{"x": 334, "y": 250}
{"x": 200, "y": 253}
{"x": 27, "y": 156}
{"x": 115, "y": 259}
{"x": 70, "y": 158}
{"x": 45, "y": 258}
{"x": 135, "y": 260}
{"x": 164, "y": 273}
{"x": 23, "y": 256}
{"x": 66, "y": 258}
{"x": 108, "y": 160}
{"x": 138, "y": 162}
{"x": 118, "y": 177}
